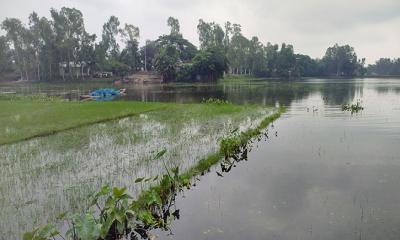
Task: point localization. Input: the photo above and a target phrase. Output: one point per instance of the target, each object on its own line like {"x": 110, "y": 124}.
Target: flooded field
{"x": 326, "y": 174}
{"x": 43, "y": 177}
{"x": 322, "y": 173}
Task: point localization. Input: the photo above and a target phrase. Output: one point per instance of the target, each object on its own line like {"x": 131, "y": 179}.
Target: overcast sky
{"x": 371, "y": 26}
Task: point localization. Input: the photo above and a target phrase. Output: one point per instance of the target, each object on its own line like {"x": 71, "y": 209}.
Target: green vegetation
{"x": 61, "y": 48}
{"x": 353, "y": 108}
{"x": 229, "y": 145}
{"x": 215, "y": 101}
{"x": 385, "y": 67}
{"x": 26, "y": 117}
{"x": 31, "y": 117}
{"x": 121, "y": 216}
{"x": 108, "y": 152}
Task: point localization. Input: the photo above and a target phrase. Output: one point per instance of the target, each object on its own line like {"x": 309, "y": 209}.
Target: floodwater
{"x": 321, "y": 174}
{"x": 43, "y": 177}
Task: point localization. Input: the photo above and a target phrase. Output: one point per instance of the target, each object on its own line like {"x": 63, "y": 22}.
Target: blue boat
{"x": 105, "y": 94}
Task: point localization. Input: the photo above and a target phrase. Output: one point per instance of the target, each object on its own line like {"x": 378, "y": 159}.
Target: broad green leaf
{"x": 120, "y": 228}
{"x": 105, "y": 227}
{"x": 118, "y": 192}
{"x": 87, "y": 228}
{"x": 47, "y": 231}
{"x": 146, "y": 217}
{"x": 152, "y": 197}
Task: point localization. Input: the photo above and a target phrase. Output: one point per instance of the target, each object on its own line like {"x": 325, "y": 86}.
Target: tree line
{"x": 385, "y": 67}
{"x": 61, "y": 48}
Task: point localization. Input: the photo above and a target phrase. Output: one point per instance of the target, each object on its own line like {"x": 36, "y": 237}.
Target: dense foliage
{"x": 385, "y": 66}
{"x": 61, "y": 48}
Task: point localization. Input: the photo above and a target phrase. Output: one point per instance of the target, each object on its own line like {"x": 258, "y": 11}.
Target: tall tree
{"x": 48, "y": 52}
{"x": 210, "y": 64}
{"x": 130, "y": 54}
{"x": 5, "y": 56}
{"x": 238, "y": 52}
{"x": 109, "y": 37}
{"x": 17, "y": 34}
{"x": 257, "y": 59}
{"x": 86, "y": 54}
{"x": 228, "y": 33}
{"x": 340, "y": 61}
{"x": 306, "y": 66}
{"x": 36, "y": 40}
{"x": 271, "y": 52}
{"x": 166, "y": 62}
{"x": 147, "y": 55}
{"x": 211, "y": 35}
{"x": 185, "y": 49}
{"x": 285, "y": 63}
{"x": 69, "y": 30}
{"x": 173, "y": 23}
{"x": 385, "y": 66}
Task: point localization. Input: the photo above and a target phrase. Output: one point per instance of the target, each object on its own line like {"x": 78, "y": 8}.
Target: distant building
{"x": 103, "y": 74}
{"x": 81, "y": 69}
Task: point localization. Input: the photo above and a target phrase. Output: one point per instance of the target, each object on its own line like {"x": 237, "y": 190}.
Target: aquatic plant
{"x": 233, "y": 143}
{"x": 114, "y": 214}
{"x": 353, "y": 108}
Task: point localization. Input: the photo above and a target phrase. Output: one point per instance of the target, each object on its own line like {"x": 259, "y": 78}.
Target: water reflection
{"x": 333, "y": 91}
{"x": 328, "y": 175}
{"x": 265, "y": 92}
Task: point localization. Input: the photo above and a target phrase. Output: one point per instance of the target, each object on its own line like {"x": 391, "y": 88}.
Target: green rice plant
{"x": 114, "y": 214}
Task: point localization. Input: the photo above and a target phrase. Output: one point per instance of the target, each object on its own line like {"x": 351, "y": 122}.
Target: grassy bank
{"x": 25, "y": 119}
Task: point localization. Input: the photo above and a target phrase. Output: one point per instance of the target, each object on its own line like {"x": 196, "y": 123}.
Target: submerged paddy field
{"x": 44, "y": 176}
{"x": 323, "y": 173}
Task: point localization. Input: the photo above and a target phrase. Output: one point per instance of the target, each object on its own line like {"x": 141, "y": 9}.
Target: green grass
{"x": 26, "y": 119}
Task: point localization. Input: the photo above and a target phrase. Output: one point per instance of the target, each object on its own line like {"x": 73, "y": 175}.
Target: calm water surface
{"x": 322, "y": 174}
{"x": 326, "y": 175}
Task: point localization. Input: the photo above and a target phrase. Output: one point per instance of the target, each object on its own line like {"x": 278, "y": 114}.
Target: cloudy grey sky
{"x": 371, "y": 26}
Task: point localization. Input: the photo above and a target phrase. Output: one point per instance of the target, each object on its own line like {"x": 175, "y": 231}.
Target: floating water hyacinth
{"x": 353, "y": 108}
